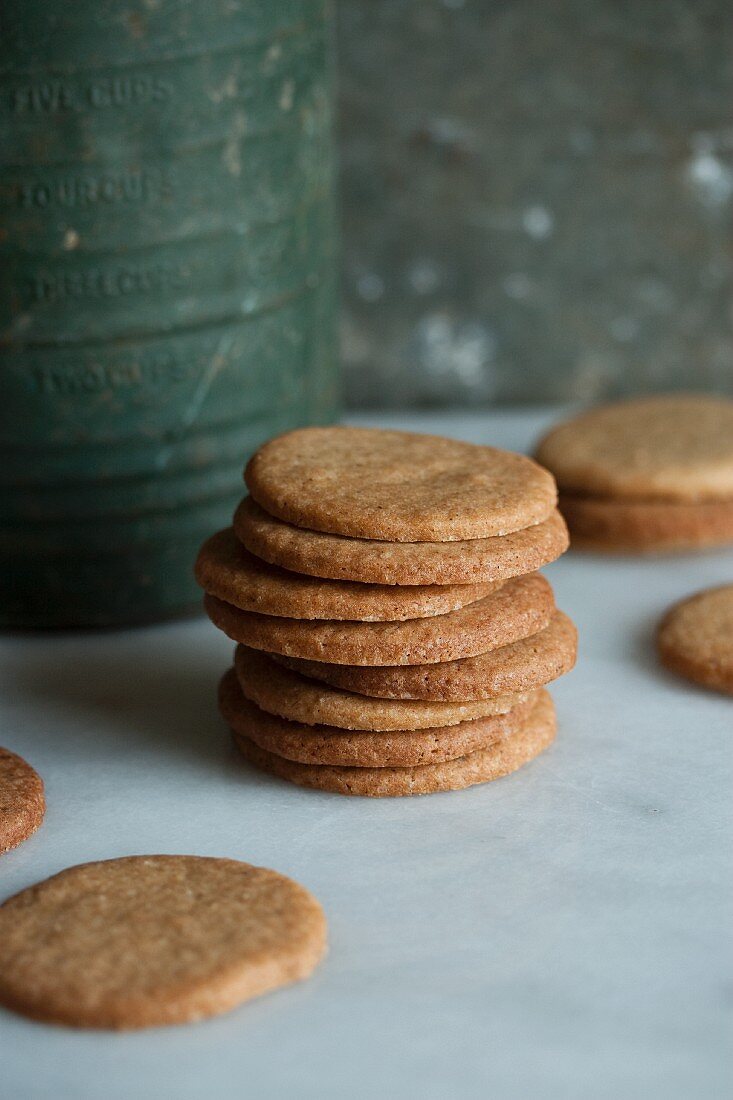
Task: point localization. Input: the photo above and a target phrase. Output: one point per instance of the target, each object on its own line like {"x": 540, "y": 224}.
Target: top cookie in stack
{"x": 650, "y": 475}
{"x": 394, "y": 634}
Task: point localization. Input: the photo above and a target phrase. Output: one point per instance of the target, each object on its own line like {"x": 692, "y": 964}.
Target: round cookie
{"x": 226, "y": 570}
{"x": 646, "y": 526}
{"x": 513, "y": 669}
{"x": 521, "y": 607}
{"x": 22, "y": 802}
{"x": 279, "y": 690}
{"x": 480, "y": 766}
{"x": 467, "y": 561}
{"x": 397, "y": 486}
{"x": 361, "y": 748}
{"x": 695, "y": 638}
{"x": 674, "y": 448}
{"x": 152, "y": 940}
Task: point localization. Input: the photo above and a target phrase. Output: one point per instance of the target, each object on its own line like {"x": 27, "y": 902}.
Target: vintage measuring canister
{"x": 166, "y": 285}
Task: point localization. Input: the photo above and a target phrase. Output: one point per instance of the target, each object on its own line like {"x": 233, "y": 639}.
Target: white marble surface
{"x": 563, "y": 933}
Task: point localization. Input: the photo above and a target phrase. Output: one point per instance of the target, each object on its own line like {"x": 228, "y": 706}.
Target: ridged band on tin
{"x": 167, "y": 284}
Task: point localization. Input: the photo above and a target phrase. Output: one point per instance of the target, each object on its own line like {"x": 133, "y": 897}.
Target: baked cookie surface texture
{"x": 145, "y": 941}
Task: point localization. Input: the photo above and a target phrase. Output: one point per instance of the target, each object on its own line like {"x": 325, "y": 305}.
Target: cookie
{"x": 226, "y": 570}
{"x": 480, "y": 766}
{"x": 669, "y": 448}
{"x": 645, "y": 525}
{"x": 361, "y": 748}
{"x": 513, "y": 669}
{"x": 695, "y": 638}
{"x": 22, "y": 802}
{"x": 470, "y": 561}
{"x": 521, "y": 607}
{"x": 151, "y": 940}
{"x": 279, "y": 690}
{"x": 397, "y": 486}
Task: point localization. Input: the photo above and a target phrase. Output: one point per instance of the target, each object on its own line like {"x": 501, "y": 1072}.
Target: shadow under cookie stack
{"x": 394, "y": 634}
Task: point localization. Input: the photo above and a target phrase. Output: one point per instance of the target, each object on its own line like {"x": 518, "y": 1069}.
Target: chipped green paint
{"x": 166, "y": 284}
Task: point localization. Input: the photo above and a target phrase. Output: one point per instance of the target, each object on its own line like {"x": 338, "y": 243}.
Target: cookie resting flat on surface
{"x": 695, "y": 638}
{"x": 150, "y": 940}
{"x": 646, "y": 526}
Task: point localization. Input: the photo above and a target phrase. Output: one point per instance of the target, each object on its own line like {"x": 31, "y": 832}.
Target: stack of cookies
{"x": 651, "y": 475}
{"x": 394, "y": 634}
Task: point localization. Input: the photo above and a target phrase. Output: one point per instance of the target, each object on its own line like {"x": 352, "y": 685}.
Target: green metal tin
{"x": 167, "y": 286}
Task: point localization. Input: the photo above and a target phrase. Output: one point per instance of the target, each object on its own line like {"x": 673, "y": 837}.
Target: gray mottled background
{"x": 537, "y": 198}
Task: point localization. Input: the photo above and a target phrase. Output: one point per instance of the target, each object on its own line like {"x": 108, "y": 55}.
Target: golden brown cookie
{"x": 226, "y": 570}
{"x": 521, "y": 667}
{"x": 695, "y": 638}
{"x": 398, "y": 486}
{"x": 480, "y": 766}
{"x": 646, "y": 526}
{"x": 468, "y": 561}
{"x": 279, "y": 690}
{"x": 673, "y": 447}
{"x": 521, "y": 607}
{"x": 151, "y": 940}
{"x": 22, "y": 802}
{"x": 361, "y": 748}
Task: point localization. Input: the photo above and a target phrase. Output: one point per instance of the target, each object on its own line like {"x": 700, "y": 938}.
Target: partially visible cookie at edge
{"x": 22, "y": 800}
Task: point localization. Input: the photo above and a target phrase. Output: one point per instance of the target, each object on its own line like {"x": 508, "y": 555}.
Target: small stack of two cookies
{"x": 649, "y": 475}
{"x": 394, "y": 634}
